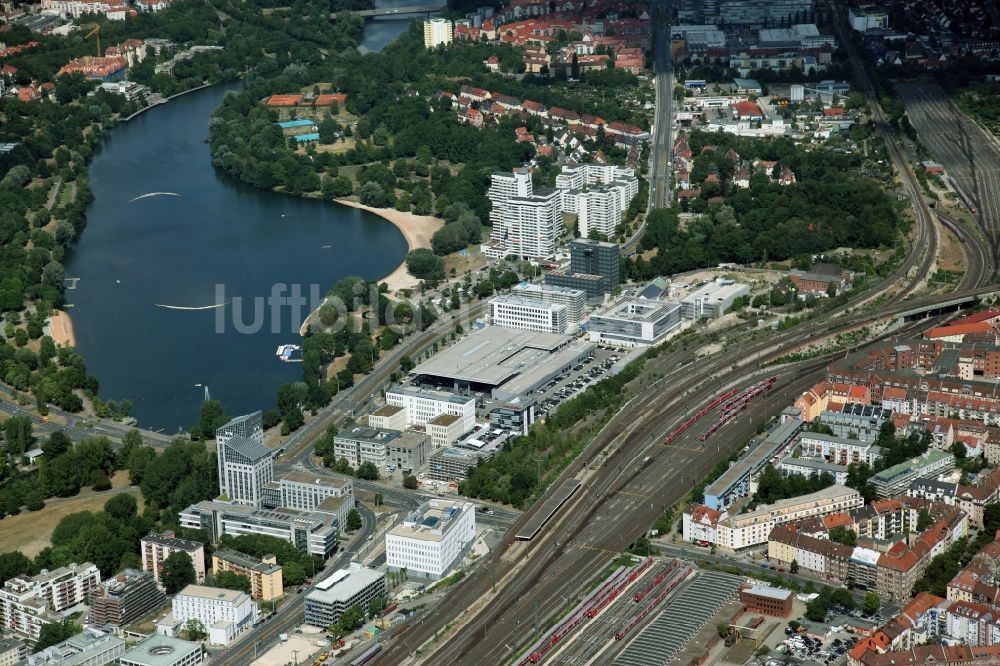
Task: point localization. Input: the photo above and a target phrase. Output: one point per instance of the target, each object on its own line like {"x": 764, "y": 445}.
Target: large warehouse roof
{"x": 492, "y": 355}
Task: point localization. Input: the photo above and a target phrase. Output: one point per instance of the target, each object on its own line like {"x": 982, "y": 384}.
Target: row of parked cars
{"x": 585, "y": 379}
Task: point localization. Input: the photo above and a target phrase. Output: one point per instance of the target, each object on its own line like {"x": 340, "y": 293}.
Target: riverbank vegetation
{"x": 44, "y": 188}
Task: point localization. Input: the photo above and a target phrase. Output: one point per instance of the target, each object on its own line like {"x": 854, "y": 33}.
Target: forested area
{"x": 831, "y": 205}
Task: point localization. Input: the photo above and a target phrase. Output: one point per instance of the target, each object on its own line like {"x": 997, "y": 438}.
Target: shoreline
{"x": 417, "y": 231}
{"x": 61, "y": 329}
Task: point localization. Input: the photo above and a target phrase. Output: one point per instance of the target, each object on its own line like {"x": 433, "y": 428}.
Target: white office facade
{"x": 575, "y": 300}
{"x": 423, "y": 405}
{"x": 637, "y": 323}
{"x": 330, "y": 598}
{"x": 245, "y": 464}
{"x": 224, "y": 613}
{"x": 431, "y": 539}
{"x": 525, "y": 314}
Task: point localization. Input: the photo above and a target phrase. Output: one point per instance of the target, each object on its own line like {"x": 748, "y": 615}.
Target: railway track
{"x": 640, "y": 478}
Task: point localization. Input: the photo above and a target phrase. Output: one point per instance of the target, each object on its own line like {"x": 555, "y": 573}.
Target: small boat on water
{"x": 289, "y": 353}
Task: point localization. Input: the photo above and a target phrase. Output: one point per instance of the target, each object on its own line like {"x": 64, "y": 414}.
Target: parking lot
{"x": 562, "y": 388}
{"x": 806, "y": 648}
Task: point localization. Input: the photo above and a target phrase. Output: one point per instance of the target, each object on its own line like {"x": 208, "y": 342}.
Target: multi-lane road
{"x": 660, "y": 158}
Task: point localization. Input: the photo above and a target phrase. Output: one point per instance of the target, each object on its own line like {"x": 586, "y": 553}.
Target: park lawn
{"x": 30, "y": 531}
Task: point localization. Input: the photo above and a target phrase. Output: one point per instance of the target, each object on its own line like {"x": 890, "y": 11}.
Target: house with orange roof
{"x": 747, "y": 111}
{"x": 473, "y": 117}
{"x": 700, "y": 523}
{"x": 813, "y": 402}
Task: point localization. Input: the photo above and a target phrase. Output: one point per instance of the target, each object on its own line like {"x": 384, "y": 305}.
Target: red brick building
{"x": 767, "y": 600}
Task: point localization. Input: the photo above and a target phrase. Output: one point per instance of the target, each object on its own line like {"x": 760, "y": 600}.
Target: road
{"x": 617, "y": 503}
{"x": 967, "y": 153}
{"x": 245, "y": 649}
{"x": 660, "y": 193}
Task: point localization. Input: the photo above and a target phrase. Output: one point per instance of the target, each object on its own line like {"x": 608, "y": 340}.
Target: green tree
{"x": 368, "y": 471}
{"x": 211, "y": 417}
{"x": 353, "y": 520}
{"x": 195, "y": 630}
{"x": 425, "y": 265}
{"x": 56, "y": 632}
{"x": 794, "y": 567}
{"x": 924, "y": 520}
{"x": 844, "y": 535}
{"x": 232, "y": 581}
{"x": 871, "y": 603}
{"x": 410, "y": 482}
{"x": 17, "y": 433}
{"x": 178, "y": 572}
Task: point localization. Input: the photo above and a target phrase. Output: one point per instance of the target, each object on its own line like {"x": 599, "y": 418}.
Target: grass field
{"x": 30, "y": 531}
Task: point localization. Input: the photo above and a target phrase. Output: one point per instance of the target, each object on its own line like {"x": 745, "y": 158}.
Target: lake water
{"x": 215, "y": 242}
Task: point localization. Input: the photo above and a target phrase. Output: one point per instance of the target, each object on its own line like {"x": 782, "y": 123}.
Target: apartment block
{"x": 126, "y": 598}
{"x": 28, "y": 603}
{"x": 156, "y": 548}
{"x": 736, "y": 532}
{"x": 225, "y": 614}
{"x": 896, "y": 480}
{"x": 503, "y": 187}
{"x": 265, "y": 574}
{"x": 437, "y": 32}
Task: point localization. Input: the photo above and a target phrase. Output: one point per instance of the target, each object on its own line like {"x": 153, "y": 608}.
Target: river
{"x": 198, "y": 241}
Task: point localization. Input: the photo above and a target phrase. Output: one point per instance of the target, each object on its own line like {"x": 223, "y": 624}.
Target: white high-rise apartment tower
{"x": 437, "y": 31}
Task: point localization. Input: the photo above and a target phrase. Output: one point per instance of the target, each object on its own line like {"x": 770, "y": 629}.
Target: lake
{"x": 168, "y": 238}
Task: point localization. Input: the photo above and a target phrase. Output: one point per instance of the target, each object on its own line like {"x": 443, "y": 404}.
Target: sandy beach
{"x": 61, "y": 329}
{"x": 417, "y": 230}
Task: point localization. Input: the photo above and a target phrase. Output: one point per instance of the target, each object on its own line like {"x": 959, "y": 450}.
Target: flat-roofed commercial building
{"x": 304, "y": 491}
{"x": 245, "y": 464}
{"x": 712, "y": 299}
{"x": 525, "y": 314}
{"x": 361, "y": 444}
{"x": 422, "y": 405}
{"x": 388, "y": 417}
{"x": 430, "y": 540}
{"x": 355, "y": 586}
{"x": 444, "y": 430}
{"x": 158, "y": 650}
{"x": 767, "y": 600}
{"x": 575, "y": 300}
{"x": 515, "y": 415}
{"x": 225, "y": 614}
{"x": 313, "y": 532}
{"x": 452, "y": 464}
{"x": 594, "y": 286}
{"x": 503, "y": 362}
{"x": 638, "y": 323}
{"x": 156, "y": 548}
{"x": 127, "y": 597}
{"x": 90, "y": 647}
{"x": 264, "y": 574}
